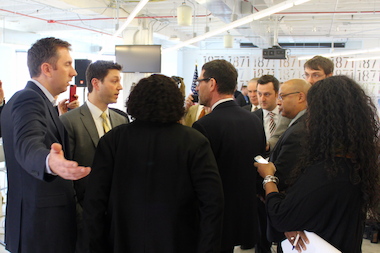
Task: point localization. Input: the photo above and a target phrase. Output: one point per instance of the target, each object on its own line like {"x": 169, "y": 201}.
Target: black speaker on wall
{"x": 81, "y": 66}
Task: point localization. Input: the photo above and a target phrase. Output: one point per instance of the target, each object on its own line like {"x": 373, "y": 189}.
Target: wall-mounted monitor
{"x": 139, "y": 58}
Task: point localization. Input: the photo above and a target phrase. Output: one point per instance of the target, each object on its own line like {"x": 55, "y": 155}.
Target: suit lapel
{"x": 53, "y": 114}
{"x": 115, "y": 119}
{"x": 89, "y": 124}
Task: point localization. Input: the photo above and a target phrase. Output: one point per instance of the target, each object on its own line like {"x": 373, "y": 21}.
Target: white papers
{"x": 316, "y": 245}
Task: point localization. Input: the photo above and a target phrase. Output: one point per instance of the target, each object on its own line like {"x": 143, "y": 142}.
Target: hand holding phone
{"x": 260, "y": 159}
{"x": 73, "y": 92}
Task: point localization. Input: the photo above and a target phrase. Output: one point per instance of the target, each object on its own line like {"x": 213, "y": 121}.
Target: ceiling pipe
{"x": 56, "y": 22}
{"x": 167, "y": 17}
{"x": 139, "y": 17}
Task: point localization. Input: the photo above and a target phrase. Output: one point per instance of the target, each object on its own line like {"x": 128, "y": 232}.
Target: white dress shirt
{"x": 266, "y": 120}
{"x": 96, "y": 112}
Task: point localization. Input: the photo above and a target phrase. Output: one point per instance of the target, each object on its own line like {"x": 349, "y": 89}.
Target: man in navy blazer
{"x": 236, "y": 136}
{"x": 40, "y": 215}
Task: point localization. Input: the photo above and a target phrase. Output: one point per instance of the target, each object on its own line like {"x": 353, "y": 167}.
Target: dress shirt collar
{"x": 253, "y": 107}
{"x": 297, "y": 117}
{"x": 275, "y": 111}
{"x": 45, "y": 91}
{"x": 220, "y": 101}
{"x": 95, "y": 111}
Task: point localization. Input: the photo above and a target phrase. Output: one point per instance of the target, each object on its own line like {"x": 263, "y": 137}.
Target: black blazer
{"x": 236, "y": 137}
{"x": 286, "y": 153}
{"x": 259, "y": 113}
{"x": 154, "y": 188}
{"x": 40, "y": 207}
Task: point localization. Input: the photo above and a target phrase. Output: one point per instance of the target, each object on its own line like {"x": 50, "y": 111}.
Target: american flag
{"x": 195, "y": 78}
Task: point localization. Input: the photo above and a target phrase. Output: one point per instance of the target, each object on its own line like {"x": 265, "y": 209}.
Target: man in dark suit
{"x": 292, "y": 103}
{"x": 40, "y": 215}
{"x": 285, "y": 155}
{"x": 252, "y": 94}
{"x": 236, "y": 137}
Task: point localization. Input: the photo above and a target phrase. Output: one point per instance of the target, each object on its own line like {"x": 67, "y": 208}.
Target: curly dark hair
{"x": 342, "y": 122}
{"x": 156, "y": 99}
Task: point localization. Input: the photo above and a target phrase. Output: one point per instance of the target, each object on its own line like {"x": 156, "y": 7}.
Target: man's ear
{"x": 213, "y": 85}
{"x": 95, "y": 83}
{"x": 329, "y": 75}
{"x": 46, "y": 69}
{"x": 302, "y": 97}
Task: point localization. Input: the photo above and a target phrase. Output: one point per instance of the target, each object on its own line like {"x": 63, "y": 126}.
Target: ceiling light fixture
{"x": 342, "y": 53}
{"x": 184, "y": 15}
{"x": 228, "y": 40}
{"x": 131, "y": 16}
{"x": 258, "y": 15}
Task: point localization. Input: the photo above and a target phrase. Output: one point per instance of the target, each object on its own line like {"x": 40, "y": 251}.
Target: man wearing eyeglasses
{"x": 318, "y": 68}
{"x": 274, "y": 123}
{"x": 292, "y": 104}
{"x": 236, "y": 136}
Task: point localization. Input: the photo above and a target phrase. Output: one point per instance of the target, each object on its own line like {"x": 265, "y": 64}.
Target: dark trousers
{"x": 263, "y": 245}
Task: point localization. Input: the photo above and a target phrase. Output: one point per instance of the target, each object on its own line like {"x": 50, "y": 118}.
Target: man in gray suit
{"x": 88, "y": 123}
{"x": 85, "y": 124}
{"x": 267, "y": 92}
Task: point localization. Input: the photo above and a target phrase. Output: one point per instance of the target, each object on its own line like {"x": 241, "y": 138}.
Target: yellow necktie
{"x": 106, "y": 127}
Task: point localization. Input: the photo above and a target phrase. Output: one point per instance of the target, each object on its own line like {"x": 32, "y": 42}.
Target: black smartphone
{"x": 195, "y": 98}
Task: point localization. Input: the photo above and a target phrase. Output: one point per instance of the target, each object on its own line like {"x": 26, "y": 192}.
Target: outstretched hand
{"x": 64, "y": 168}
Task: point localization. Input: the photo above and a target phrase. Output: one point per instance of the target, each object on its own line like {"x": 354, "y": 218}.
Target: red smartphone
{"x": 73, "y": 92}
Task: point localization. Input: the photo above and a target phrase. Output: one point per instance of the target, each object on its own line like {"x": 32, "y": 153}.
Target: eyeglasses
{"x": 198, "y": 81}
{"x": 281, "y": 96}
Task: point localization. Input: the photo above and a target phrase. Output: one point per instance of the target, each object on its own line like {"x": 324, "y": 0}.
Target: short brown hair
{"x": 319, "y": 62}
{"x": 44, "y": 50}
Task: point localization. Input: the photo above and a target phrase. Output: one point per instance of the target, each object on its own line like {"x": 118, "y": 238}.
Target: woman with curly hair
{"x": 337, "y": 182}
{"x": 154, "y": 186}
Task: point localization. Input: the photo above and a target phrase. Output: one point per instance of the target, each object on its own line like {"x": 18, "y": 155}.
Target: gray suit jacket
{"x": 84, "y": 138}
{"x": 281, "y": 127}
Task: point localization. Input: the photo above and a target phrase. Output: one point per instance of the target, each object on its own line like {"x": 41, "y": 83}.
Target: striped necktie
{"x": 272, "y": 124}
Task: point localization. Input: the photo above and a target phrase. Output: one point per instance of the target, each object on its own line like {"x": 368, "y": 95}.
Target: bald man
{"x": 292, "y": 104}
